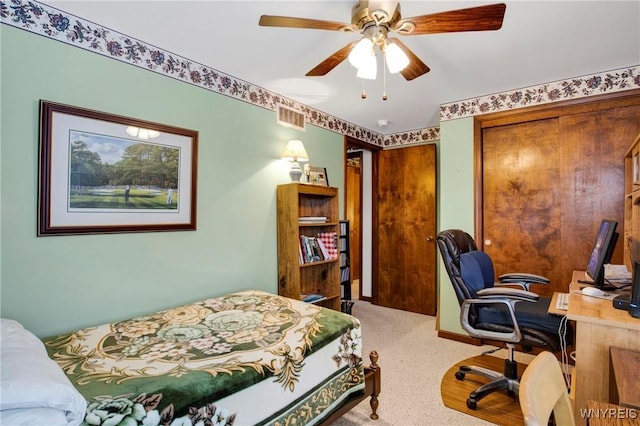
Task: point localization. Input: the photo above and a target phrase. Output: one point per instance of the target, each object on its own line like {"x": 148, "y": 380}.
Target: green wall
{"x": 56, "y": 284}
{"x": 455, "y": 205}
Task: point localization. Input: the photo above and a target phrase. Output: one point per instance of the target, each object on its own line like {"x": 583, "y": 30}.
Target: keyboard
{"x": 562, "y": 301}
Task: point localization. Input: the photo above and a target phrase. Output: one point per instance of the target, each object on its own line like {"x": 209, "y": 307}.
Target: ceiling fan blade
{"x": 331, "y": 62}
{"x": 416, "y": 67}
{"x": 481, "y": 18}
{"x": 314, "y": 24}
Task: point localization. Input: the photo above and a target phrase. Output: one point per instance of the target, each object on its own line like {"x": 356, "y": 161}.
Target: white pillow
{"x": 33, "y": 417}
{"x": 30, "y": 379}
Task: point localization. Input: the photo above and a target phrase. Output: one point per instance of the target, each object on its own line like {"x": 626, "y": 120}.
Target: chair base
{"x": 508, "y": 381}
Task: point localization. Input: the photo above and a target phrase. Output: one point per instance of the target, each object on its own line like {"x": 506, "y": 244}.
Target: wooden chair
{"x": 543, "y": 391}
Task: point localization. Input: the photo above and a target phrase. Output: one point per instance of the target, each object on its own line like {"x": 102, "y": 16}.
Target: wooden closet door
{"x": 547, "y": 184}
{"x": 522, "y": 211}
{"x": 406, "y": 262}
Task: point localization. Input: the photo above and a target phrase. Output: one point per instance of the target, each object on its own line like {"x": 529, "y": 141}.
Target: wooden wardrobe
{"x": 545, "y": 177}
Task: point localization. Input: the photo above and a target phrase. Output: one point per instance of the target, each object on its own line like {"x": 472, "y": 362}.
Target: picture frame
{"x": 636, "y": 168}
{"x": 100, "y": 173}
{"x": 317, "y": 176}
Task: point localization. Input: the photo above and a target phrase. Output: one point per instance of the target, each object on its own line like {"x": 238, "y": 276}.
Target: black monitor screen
{"x": 635, "y": 290}
{"x": 634, "y": 306}
{"x": 602, "y": 250}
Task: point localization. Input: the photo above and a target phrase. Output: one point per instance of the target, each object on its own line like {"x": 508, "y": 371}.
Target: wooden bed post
{"x": 372, "y": 379}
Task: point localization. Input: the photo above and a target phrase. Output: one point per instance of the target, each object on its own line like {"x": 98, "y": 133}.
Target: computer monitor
{"x": 631, "y": 302}
{"x": 602, "y": 251}
{"x": 634, "y": 306}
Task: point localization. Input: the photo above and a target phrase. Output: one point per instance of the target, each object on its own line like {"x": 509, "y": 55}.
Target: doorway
{"x": 354, "y": 209}
{"x": 360, "y": 199}
{"x": 374, "y": 178}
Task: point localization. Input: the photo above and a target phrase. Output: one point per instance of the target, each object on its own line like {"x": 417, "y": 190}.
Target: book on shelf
{"x": 310, "y": 250}
{"x": 344, "y": 274}
{"x": 330, "y": 241}
{"x": 323, "y": 249}
{"x": 312, "y": 297}
{"x": 318, "y": 248}
{"x": 312, "y": 219}
{"x": 300, "y": 254}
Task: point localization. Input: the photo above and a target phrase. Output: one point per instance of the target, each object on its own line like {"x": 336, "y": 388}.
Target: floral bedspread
{"x": 240, "y": 359}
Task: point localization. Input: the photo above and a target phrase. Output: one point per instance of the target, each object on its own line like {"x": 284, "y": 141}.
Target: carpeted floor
{"x": 413, "y": 360}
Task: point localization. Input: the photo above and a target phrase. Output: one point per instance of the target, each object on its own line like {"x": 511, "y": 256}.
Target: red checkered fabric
{"x": 330, "y": 241}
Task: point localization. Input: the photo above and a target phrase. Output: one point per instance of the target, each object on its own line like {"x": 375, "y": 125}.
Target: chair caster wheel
{"x": 472, "y": 405}
{"x": 459, "y": 375}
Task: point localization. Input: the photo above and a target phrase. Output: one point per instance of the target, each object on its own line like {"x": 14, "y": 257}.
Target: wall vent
{"x": 290, "y": 117}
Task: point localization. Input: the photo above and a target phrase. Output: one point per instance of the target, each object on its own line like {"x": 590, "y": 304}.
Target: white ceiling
{"x": 540, "y": 41}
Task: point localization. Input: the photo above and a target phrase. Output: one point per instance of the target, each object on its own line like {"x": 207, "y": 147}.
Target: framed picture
{"x": 636, "y": 168}
{"x": 317, "y": 176}
{"x": 103, "y": 173}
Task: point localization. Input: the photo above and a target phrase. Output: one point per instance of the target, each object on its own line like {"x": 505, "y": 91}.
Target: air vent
{"x": 290, "y": 117}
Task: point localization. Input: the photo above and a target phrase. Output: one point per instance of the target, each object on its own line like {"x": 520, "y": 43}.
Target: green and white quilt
{"x": 241, "y": 359}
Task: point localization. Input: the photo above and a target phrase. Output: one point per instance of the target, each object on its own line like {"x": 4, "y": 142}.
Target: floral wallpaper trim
{"x": 53, "y": 23}
{"x": 579, "y": 87}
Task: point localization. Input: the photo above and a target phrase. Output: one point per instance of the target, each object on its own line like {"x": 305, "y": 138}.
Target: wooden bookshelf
{"x": 298, "y": 276}
{"x": 632, "y": 204}
{"x": 345, "y": 267}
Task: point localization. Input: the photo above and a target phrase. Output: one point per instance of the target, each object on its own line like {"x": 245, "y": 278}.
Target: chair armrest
{"x": 523, "y": 286}
{"x": 513, "y": 336}
{"x": 507, "y": 293}
{"x": 497, "y": 296}
{"x": 518, "y": 277}
{"x": 521, "y": 279}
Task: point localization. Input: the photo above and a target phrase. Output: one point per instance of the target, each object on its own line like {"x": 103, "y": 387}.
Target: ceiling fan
{"x": 376, "y": 19}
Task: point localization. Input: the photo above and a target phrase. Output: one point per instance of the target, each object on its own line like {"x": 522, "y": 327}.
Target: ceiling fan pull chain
{"x": 384, "y": 78}
{"x": 363, "y": 95}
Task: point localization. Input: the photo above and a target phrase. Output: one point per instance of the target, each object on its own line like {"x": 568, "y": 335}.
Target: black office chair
{"x": 490, "y": 310}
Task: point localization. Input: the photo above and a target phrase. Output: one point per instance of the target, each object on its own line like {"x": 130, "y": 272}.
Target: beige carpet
{"x": 413, "y": 360}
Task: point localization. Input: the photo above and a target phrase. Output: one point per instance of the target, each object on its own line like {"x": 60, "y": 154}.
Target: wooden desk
{"x": 599, "y": 326}
{"x": 552, "y": 306}
{"x": 625, "y": 366}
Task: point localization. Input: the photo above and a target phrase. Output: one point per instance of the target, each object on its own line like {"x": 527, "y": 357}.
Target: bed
{"x": 247, "y": 358}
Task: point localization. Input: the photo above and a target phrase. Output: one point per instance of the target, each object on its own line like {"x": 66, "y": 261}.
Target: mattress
{"x": 241, "y": 359}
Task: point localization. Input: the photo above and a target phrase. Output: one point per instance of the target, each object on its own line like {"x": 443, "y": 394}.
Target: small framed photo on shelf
{"x": 636, "y": 168}
{"x": 317, "y": 175}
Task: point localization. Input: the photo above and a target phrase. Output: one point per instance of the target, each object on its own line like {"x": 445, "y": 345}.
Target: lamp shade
{"x": 295, "y": 151}
{"x": 397, "y": 60}
{"x": 361, "y": 53}
{"x": 369, "y": 68}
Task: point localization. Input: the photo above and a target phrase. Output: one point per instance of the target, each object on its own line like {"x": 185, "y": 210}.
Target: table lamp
{"x": 295, "y": 152}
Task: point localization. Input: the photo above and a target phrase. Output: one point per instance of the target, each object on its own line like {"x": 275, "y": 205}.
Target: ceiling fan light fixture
{"x": 396, "y": 59}
{"x": 368, "y": 69}
{"x": 361, "y": 53}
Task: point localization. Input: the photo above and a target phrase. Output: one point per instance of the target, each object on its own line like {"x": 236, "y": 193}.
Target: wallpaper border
{"x": 50, "y": 22}
{"x": 579, "y": 87}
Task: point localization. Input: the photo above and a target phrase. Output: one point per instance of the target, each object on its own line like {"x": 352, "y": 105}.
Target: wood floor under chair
{"x": 498, "y": 407}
